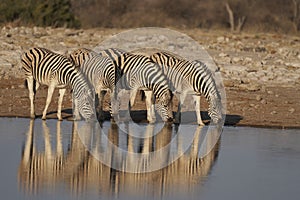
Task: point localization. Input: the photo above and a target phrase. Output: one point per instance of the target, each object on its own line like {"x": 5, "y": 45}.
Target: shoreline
{"x": 282, "y": 127}
{"x": 273, "y": 107}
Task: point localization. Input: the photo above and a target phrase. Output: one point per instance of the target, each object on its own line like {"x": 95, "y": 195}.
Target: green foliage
{"x": 10, "y": 10}
{"x": 38, "y": 12}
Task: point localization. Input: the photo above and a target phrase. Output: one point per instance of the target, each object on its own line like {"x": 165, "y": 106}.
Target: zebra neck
{"x": 76, "y": 79}
{"x": 158, "y": 90}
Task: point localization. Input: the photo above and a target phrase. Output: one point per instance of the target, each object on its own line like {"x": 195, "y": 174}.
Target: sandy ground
{"x": 261, "y": 72}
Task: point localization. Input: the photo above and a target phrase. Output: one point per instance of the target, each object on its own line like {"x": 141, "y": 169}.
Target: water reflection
{"x": 64, "y": 162}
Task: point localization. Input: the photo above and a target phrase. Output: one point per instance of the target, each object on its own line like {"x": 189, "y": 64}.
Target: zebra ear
{"x": 77, "y": 66}
{"x": 68, "y": 56}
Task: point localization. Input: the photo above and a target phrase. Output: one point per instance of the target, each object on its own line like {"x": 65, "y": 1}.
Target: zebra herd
{"x": 91, "y": 74}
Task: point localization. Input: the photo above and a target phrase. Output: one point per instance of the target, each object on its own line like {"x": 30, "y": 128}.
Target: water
{"x": 46, "y": 160}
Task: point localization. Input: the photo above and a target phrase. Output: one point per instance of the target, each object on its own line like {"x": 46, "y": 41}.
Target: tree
{"x": 232, "y": 19}
{"x": 296, "y": 15}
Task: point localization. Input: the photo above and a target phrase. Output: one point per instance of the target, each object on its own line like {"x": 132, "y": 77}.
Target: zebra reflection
{"x": 71, "y": 160}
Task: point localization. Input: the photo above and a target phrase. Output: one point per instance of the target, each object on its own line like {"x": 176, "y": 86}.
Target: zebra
{"x": 139, "y": 72}
{"x": 191, "y": 77}
{"x": 101, "y": 73}
{"x": 42, "y": 66}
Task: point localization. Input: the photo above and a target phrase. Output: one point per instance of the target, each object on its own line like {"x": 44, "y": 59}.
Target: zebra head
{"x": 78, "y": 56}
{"x": 164, "y": 106}
{"x": 85, "y": 102}
{"x": 215, "y": 108}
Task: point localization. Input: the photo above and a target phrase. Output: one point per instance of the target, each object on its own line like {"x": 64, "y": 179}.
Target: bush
{"x": 38, "y": 12}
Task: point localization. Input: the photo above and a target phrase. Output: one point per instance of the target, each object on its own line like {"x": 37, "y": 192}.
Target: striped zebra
{"x": 191, "y": 78}
{"x": 101, "y": 73}
{"x": 139, "y": 72}
{"x": 45, "y": 67}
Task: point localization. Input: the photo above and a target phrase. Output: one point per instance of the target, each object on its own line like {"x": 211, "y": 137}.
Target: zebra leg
{"x": 30, "y": 84}
{"x": 180, "y": 103}
{"x": 60, "y": 100}
{"x": 76, "y": 114}
{"x": 115, "y": 104}
{"x": 101, "y": 95}
{"x": 37, "y": 85}
{"x": 48, "y": 149}
{"x": 178, "y": 114}
{"x": 197, "y": 109}
{"x": 48, "y": 101}
{"x": 133, "y": 94}
{"x": 150, "y": 107}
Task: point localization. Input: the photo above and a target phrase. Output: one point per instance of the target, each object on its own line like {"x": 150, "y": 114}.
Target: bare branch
{"x": 241, "y": 23}
{"x": 296, "y": 17}
{"x": 231, "y": 17}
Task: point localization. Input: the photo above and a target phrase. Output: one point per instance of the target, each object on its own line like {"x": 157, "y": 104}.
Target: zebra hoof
{"x": 32, "y": 116}
{"x": 151, "y": 121}
{"x": 177, "y": 121}
{"x": 76, "y": 119}
{"x": 100, "y": 118}
{"x": 71, "y": 119}
{"x": 43, "y": 118}
{"x": 112, "y": 120}
{"x": 169, "y": 120}
{"x": 59, "y": 117}
{"x": 201, "y": 124}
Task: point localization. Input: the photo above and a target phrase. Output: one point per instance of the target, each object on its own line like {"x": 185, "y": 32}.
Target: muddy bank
{"x": 267, "y": 107}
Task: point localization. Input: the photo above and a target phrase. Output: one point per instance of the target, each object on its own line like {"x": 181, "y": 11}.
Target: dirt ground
{"x": 277, "y": 107}
{"x": 261, "y": 72}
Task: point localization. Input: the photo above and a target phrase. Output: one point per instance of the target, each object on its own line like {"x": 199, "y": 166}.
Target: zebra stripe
{"x": 100, "y": 71}
{"x": 139, "y": 72}
{"x": 191, "y": 77}
{"x": 42, "y": 66}
{"x": 114, "y": 54}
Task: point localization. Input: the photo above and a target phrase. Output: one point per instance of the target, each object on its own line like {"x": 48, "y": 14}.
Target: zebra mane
{"x": 173, "y": 55}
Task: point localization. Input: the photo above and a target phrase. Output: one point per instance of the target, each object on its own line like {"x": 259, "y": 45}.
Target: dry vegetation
{"x": 258, "y": 15}
{"x": 248, "y": 15}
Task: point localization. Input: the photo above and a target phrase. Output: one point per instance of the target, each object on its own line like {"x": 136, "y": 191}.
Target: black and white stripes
{"x": 100, "y": 72}
{"x": 191, "y": 77}
{"x": 113, "y": 69}
{"x": 139, "y": 72}
{"x": 45, "y": 67}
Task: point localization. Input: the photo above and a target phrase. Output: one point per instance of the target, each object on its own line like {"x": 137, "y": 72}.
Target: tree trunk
{"x": 296, "y": 17}
{"x": 231, "y": 17}
{"x": 241, "y": 23}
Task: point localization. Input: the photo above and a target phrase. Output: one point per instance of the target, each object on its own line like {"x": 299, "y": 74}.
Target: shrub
{"x": 38, "y": 12}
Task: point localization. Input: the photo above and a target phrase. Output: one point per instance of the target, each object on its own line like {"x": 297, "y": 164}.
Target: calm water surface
{"x": 46, "y": 160}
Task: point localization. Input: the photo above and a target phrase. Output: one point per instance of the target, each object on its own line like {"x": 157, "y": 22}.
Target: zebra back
{"x": 99, "y": 70}
{"x": 114, "y": 54}
{"x": 77, "y": 57}
{"x": 178, "y": 70}
{"x": 138, "y": 70}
